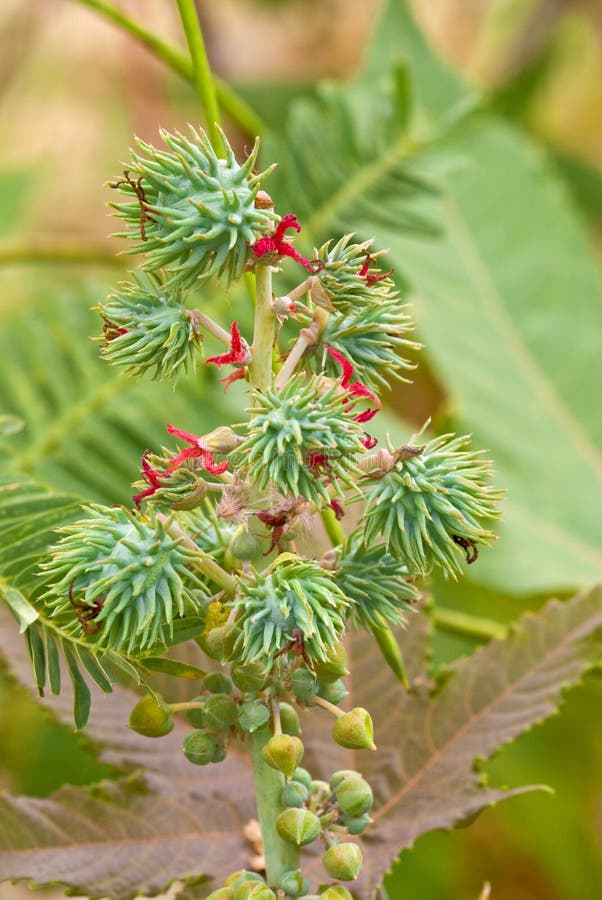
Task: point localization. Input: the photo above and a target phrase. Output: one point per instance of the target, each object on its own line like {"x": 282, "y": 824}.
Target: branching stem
{"x": 308, "y": 337}
{"x": 260, "y": 368}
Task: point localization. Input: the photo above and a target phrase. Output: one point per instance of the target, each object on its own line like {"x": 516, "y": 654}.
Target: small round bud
{"x": 338, "y": 777}
{"x": 151, "y": 717}
{"x": 219, "y": 755}
{"x": 294, "y": 883}
{"x": 319, "y": 787}
{"x": 242, "y": 875}
{"x": 220, "y": 712}
{"x": 223, "y": 893}
{"x": 335, "y": 892}
{"x": 195, "y": 716}
{"x": 343, "y": 861}
{"x": 289, "y": 719}
{"x": 302, "y": 775}
{"x": 245, "y": 546}
{"x": 251, "y": 889}
{"x": 219, "y": 642}
{"x": 251, "y": 677}
{"x": 334, "y": 692}
{"x": 303, "y": 684}
{"x": 357, "y": 825}
{"x": 298, "y": 826}
{"x": 283, "y": 752}
{"x": 217, "y": 683}
{"x": 294, "y": 794}
{"x": 199, "y": 747}
{"x": 253, "y": 715}
{"x": 354, "y": 796}
{"x": 354, "y": 730}
{"x": 334, "y": 666}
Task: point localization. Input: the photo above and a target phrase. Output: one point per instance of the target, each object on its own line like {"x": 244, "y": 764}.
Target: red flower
{"x": 279, "y": 246}
{"x": 368, "y": 441}
{"x": 238, "y": 352}
{"x": 337, "y": 509}
{"x": 372, "y": 277}
{"x": 197, "y": 450}
{"x": 151, "y": 476}
{"x": 357, "y": 389}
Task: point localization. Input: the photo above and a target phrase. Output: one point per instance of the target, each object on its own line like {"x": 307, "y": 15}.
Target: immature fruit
{"x": 200, "y": 747}
{"x": 242, "y": 875}
{"x": 289, "y": 719}
{"x": 357, "y": 825}
{"x": 217, "y": 683}
{"x": 302, "y": 775}
{"x": 354, "y": 730}
{"x": 251, "y": 677}
{"x": 219, "y": 642}
{"x": 245, "y": 546}
{"x": 151, "y": 717}
{"x": 283, "y": 752}
{"x": 303, "y": 684}
{"x": 354, "y": 796}
{"x": 223, "y": 893}
{"x": 195, "y": 716}
{"x": 338, "y": 777}
{"x": 251, "y": 889}
{"x": 253, "y": 715}
{"x": 334, "y": 692}
{"x": 298, "y": 826}
{"x": 334, "y": 666}
{"x": 319, "y": 787}
{"x": 335, "y": 892}
{"x": 294, "y": 794}
{"x": 220, "y": 712}
{"x": 294, "y": 883}
{"x": 343, "y": 861}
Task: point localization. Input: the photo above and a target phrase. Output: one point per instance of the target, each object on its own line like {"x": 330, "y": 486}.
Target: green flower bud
{"x": 245, "y": 546}
{"x": 151, "y": 717}
{"x": 319, "y": 787}
{"x": 243, "y": 875}
{"x": 253, "y": 715}
{"x": 354, "y": 796}
{"x": 200, "y": 747}
{"x": 334, "y": 666}
{"x": 357, "y": 825}
{"x": 337, "y": 778}
{"x": 334, "y": 693}
{"x": 219, "y": 755}
{"x": 251, "y": 677}
{"x": 223, "y": 893}
{"x": 304, "y": 683}
{"x": 195, "y": 716}
{"x": 294, "y": 794}
{"x": 289, "y": 719}
{"x": 343, "y": 861}
{"x": 219, "y": 642}
{"x": 335, "y": 892}
{"x": 294, "y": 883}
{"x": 220, "y": 712}
{"x": 354, "y": 730}
{"x": 217, "y": 683}
{"x": 302, "y": 775}
{"x": 251, "y": 889}
{"x": 283, "y": 752}
{"x": 298, "y": 826}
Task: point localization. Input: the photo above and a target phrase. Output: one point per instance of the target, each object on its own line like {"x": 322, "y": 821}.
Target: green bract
{"x": 296, "y": 600}
{"x": 302, "y": 439}
{"x": 119, "y": 580}
{"x": 148, "y": 329}
{"x": 431, "y": 509}
{"x": 381, "y": 598}
{"x": 193, "y": 214}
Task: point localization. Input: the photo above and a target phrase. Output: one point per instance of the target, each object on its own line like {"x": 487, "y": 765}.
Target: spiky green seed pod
{"x": 217, "y": 683}
{"x": 250, "y": 677}
{"x": 295, "y": 601}
{"x": 382, "y": 598}
{"x": 304, "y": 683}
{"x": 289, "y": 719}
{"x": 120, "y": 581}
{"x": 180, "y": 490}
{"x": 354, "y": 796}
{"x": 151, "y": 717}
{"x": 283, "y": 752}
{"x": 294, "y": 794}
{"x": 334, "y": 666}
{"x": 340, "y": 277}
{"x": 294, "y": 883}
{"x": 193, "y": 214}
{"x": 210, "y": 536}
{"x": 148, "y": 329}
{"x": 335, "y": 692}
{"x": 354, "y": 730}
{"x": 432, "y": 508}
{"x": 343, "y": 861}
{"x": 357, "y": 824}
{"x": 301, "y": 440}
{"x": 302, "y": 776}
{"x": 252, "y": 716}
{"x": 335, "y": 892}
{"x": 220, "y": 712}
{"x": 200, "y": 748}
{"x": 298, "y": 826}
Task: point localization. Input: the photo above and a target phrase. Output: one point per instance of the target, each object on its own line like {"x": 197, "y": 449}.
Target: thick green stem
{"x": 238, "y": 110}
{"x": 201, "y": 561}
{"x": 260, "y": 369}
{"x": 280, "y": 856}
{"x": 203, "y": 79}
{"x": 333, "y": 527}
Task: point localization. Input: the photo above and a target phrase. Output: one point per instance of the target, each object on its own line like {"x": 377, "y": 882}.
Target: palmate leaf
{"x": 425, "y": 773}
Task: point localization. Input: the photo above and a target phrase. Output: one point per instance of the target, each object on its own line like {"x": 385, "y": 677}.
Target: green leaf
{"x": 24, "y": 612}
{"x": 81, "y": 692}
{"x": 172, "y": 667}
{"x": 37, "y": 653}
{"x": 425, "y": 773}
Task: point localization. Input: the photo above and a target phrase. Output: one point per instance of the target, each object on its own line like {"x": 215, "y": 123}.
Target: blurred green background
{"x": 72, "y": 91}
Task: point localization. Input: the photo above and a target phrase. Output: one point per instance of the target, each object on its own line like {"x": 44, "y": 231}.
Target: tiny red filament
{"x": 238, "y": 352}
{"x": 372, "y": 277}
{"x": 337, "y": 509}
{"x": 368, "y": 441}
{"x": 279, "y": 246}
{"x": 197, "y": 450}
{"x": 355, "y": 389}
{"x": 277, "y": 523}
{"x": 151, "y": 476}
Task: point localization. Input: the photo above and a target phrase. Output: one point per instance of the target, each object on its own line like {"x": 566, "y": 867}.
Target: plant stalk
{"x": 203, "y": 79}
{"x": 260, "y": 368}
{"x": 280, "y": 856}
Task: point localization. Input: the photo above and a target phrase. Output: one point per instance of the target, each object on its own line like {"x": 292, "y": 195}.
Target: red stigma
{"x": 197, "y": 450}
{"x": 279, "y": 246}
{"x": 238, "y": 352}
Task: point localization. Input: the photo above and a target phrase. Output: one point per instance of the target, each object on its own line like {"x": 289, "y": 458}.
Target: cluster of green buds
{"x": 222, "y": 527}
